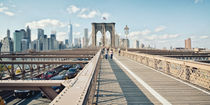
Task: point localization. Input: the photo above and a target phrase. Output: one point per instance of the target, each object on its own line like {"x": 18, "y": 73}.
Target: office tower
{"x": 18, "y": 36}
{"x": 40, "y": 33}
{"x": 85, "y": 37}
{"x": 70, "y": 28}
{"x": 117, "y": 40}
{"x": 52, "y": 43}
{"x": 136, "y": 44}
{"x": 66, "y": 42}
{"x": 24, "y": 44}
{"x": 142, "y": 45}
{"x": 188, "y": 43}
{"x": 124, "y": 43}
{"x": 8, "y": 33}
{"x": 45, "y": 43}
{"x": 7, "y": 43}
{"x": 28, "y": 35}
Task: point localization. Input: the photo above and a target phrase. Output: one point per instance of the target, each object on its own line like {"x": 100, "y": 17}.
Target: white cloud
{"x": 1, "y": 4}
{"x": 138, "y": 33}
{"x": 204, "y": 37}
{"x": 5, "y": 11}
{"x": 9, "y": 13}
{"x": 2, "y": 9}
{"x": 160, "y": 28}
{"x": 86, "y": 13}
{"x": 91, "y": 14}
{"x": 168, "y": 36}
{"x": 151, "y": 37}
{"x": 77, "y": 25}
{"x": 197, "y": 1}
{"x": 83, "y": 10}
{"x": 162, "y": 37}
{"x": 62, "y": 36}
{"x": 45, "y": 23}
{"x": 73, "y": 9}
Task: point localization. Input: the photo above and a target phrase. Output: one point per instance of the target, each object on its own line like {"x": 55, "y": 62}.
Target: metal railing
{"x": 81, "y": 89}
{"x": 191, "y": 71}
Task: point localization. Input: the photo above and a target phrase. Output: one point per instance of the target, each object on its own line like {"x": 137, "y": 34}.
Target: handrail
{"x": 195, "y": 72}
{"x": 78, "y": 91}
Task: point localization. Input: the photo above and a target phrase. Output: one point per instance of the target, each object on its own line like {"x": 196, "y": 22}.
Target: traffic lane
{"x": 33, "y": 100}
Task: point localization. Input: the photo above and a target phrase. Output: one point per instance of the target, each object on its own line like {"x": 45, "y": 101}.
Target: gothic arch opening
{"x": 103, "y": 28}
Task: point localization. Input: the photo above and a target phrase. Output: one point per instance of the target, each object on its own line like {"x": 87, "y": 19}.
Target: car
{"x": 71, "y": 73}
{"x": 78, "y": 66}
{"x": 25, "y": 93}
{"x": 66, "y": 67}
{"x": 57, "y": 89}
{"x": 47, "y": 75}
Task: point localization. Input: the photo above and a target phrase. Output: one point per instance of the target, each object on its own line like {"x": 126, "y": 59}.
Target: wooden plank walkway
{"x": 115, "y": 87}
{"x": 172, "y": 90}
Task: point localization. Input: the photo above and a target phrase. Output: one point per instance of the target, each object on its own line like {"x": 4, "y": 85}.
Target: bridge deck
{"x": 117, "y": 85}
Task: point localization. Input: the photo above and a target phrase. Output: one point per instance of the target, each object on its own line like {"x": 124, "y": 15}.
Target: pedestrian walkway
{"x": 115, "y": 87}
{"x": 166, "y": 89}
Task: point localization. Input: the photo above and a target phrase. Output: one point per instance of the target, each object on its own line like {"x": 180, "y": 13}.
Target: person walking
{"x": 111, "y": 53}
{"x": 106, "y": 53}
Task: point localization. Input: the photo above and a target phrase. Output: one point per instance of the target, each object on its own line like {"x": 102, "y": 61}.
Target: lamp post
{"x": 126, "y": 30}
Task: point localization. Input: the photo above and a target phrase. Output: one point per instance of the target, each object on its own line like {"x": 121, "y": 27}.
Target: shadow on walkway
{"x": 131, "y": 92}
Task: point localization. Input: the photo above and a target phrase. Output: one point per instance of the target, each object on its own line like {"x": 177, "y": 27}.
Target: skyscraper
{"x": 7, "y": 43}
{"x": 28, "y": 35}
{"x": 188, "y": 43}
{"x": 40, "y": 33}
{"x": 70, "y": 27}
{"x": 85, "y": 37}
{"x": 24, "y": 44}
{"x": 136, "y": 44}
{"x": 18, "y": 36}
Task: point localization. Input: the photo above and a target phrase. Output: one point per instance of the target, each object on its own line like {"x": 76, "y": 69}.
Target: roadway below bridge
{"x": 125, "y": 81}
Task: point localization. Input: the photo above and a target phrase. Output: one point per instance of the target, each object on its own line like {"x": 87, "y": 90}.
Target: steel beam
{"x": 28, "y": 84}
{"x": 43, "y": 62}
{"x": 46, "y": 56}
{"x": 49, "y": 92}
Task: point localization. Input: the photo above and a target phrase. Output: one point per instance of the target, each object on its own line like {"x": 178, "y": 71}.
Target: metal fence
{"x": 81, "y": 89}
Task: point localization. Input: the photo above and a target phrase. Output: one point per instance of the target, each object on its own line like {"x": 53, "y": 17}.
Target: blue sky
{"x": 159, "y": 23}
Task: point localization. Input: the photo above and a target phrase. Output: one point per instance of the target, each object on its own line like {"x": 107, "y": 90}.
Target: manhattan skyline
{"x": 160, "y": 23}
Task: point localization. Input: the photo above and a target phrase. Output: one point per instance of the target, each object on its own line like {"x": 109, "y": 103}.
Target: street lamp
{"x": 126, "y": 30}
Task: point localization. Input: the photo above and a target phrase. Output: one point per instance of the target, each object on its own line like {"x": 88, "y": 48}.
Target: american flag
{"x": 104, "y": 18}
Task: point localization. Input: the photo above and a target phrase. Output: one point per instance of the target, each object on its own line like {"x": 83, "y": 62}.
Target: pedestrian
{"x": 106, "y": 53}
{"x": 119, "y": 52}
{"x": 111, "y": 53}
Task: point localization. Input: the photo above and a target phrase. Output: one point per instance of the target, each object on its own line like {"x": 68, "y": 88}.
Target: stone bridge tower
{"x": 103, "y": 27}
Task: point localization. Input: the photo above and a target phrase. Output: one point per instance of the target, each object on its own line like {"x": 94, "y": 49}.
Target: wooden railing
{"x": 191, "y": 71}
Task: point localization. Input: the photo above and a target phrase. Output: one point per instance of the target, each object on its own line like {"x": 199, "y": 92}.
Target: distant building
{"x": 188, "y": 43}
{"x": 0, "y": 46}
{"x": 85, "y": 37}
{"x": 28, "y": 36}
{"x": 24, "y": 44}
{"x": 66, "y": 41}
{"x": 77, "y": 42}
{"x": 7, "y": 43}
{"x": 117, "y": 40}
{"x": 18, "y": 36}
{"x": 70, "y": 33}
{"x": 136, "y": 44}
{"x": 124, "y": 43}
{"x": 142, "y": 45}
{"x": 40, "y": 33}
